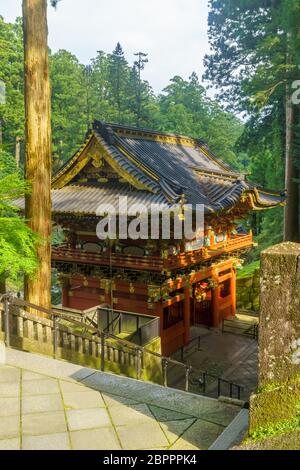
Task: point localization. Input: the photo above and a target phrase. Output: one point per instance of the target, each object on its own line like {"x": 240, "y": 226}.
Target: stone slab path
{"x": 47, "y": 404}
{"x": 231, "y": 357}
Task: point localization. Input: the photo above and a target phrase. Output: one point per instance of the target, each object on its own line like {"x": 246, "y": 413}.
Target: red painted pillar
{"x": 233, "y": 292}
{"x": 187, "y": 314}
{"x": 215, "y": 306}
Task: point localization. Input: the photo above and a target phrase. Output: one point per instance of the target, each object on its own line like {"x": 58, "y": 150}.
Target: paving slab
{"x": 174, "y": 429}
{"x": 145, "y": 436}
{"x": 88, "y": 418}
{"x": 40, "y": 387}
{"x": 96, "y": 439}
{"x": 9, "y": 406}
{"x": 29, "y": 375}
{"x": 41, "y": 403}
{"x": 86, "y": 399}
{"x": 58, "y": 441}
{"x": 116, "y": 400}
{"x": 136, "y": 414}
{"x": 96, "y": 410}
{"x": 69, "y": 387}
{"x": 9, "y": 427}
{"x": 163, "y": 414}
{"x": 9, "y": 374}
{"x": 199, "y": 436}
{"x": 10, "y": 389}
{"x": 175, "y": 400}
{"x": 44, "y": 423}
{"x": 10, "y": 444}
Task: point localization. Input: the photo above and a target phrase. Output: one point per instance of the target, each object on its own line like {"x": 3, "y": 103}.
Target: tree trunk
{"x": 38, "y": 145}
{"x": 2, "y": 286}
{"x": 291, "y": 213}
{"x": 18, "y": 149}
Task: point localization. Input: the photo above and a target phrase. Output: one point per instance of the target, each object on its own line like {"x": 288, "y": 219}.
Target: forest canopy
{"x": 110, "y": 89}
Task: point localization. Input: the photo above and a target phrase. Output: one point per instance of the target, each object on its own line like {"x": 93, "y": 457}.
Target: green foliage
{"x": 185, "y": 109}
{"x": 69, "y": 104}
{"x": 110, "y": 89}
{"x": 7, "y": 164}
{"x": 274, "y": 430}
{"x": 17, "y": 241}
{"x": 11, "y": 74}
{"x": 248, "y": 270}
{"x": 253, "y": 63}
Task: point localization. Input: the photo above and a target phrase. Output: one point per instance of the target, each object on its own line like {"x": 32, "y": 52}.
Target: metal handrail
{"x": 114, "y": 321}
{"x": 202, "y": 382}
{"x": 247, "y": 329}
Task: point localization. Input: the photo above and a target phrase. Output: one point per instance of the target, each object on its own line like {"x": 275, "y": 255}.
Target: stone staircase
{"x": 67, "y": 406}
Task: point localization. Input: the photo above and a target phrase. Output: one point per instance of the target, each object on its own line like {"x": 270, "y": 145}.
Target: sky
{"x": 172, "y": 32}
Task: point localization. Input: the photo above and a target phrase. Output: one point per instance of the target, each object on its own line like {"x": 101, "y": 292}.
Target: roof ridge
{"x": 145, "y": 130}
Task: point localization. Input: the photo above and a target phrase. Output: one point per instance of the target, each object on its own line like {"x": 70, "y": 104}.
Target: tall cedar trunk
{"x": 291, "y": 213}
{"x": 18, "y": 151}
{"x": 2, "y": 286}
{"x": 38, "y": 144}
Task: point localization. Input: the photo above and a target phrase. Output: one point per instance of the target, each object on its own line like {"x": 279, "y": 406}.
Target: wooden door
{"x": 202, "y": 311}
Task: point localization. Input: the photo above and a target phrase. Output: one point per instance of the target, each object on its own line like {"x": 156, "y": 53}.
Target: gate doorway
{"x": 202, "y": 311}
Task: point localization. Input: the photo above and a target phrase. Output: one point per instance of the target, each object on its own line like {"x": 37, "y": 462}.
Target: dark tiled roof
{"x": 86, "y": 199}
{"x": 166, "y": 165}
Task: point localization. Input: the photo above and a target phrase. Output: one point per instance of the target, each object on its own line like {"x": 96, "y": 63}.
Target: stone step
{"x": 201, "y": 407}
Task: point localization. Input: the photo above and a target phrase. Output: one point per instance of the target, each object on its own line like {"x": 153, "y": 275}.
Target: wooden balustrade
{"x": 152, "y": 263}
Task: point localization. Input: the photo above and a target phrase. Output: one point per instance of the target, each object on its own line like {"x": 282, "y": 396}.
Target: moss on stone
{"x": 276, "y": 408}
{"x": 289, "y": 440}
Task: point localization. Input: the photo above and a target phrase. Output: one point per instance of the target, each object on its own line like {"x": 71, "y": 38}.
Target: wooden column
{"x": 233, "y": 292}
{"x": 215, "y": 306}
{"x": 38, "y": 146}
{"x": 187, "y": 314}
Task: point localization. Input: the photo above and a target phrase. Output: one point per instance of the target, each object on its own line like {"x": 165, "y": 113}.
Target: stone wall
{"x": 274, "y": 408}
{"x": 35, "y": 334}
{"x": 247, "y": 292}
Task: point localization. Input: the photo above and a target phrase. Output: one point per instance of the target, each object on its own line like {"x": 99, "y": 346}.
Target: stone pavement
{"x": 48, "y": 404}
{"x": 229, "y": 356}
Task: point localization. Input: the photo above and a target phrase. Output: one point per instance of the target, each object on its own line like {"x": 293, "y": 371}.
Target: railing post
{"x": 231, "y": 389}
{"x": 187, "y": 377}
{"x": 6, "y": 322}
{"x": 204, "y": 381}
{"x": 120, "y": 323}
{"x": 98, "y": 319}
{"x": 102, "y": 350}
{"x": 219, "y": 387}
{"x": 102, "y": 339}
{"x": 138, "y": 364}
{"x": 239, "y": 392}
{"x": 165, "y": 372}
{"x": 182, "y": 353}
{"x": 55, "y": 337}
